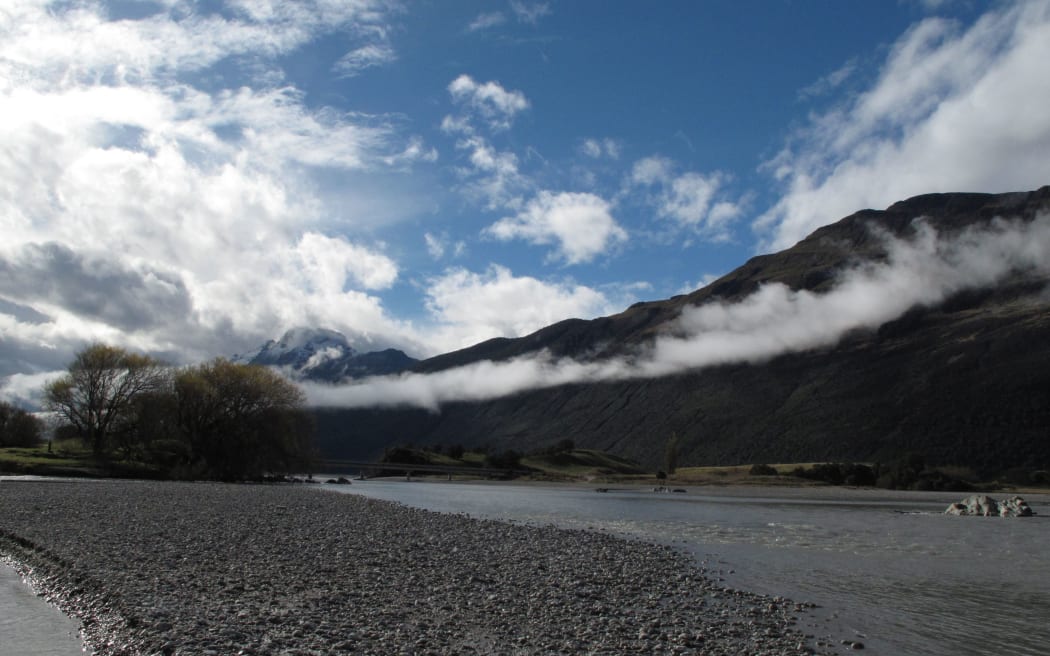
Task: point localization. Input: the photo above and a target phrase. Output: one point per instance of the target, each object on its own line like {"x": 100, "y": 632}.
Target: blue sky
{"x": 191, "y": 179}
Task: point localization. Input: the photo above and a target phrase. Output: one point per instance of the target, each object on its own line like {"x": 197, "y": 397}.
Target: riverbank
{"x": 171, "y": 568}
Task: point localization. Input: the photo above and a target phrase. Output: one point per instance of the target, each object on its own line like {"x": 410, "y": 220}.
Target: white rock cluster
{"x": 984, "y": 506}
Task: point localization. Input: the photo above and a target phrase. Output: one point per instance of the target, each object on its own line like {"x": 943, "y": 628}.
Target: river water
{"x": 892, "y": 571}
{"x": 29, "y": 626}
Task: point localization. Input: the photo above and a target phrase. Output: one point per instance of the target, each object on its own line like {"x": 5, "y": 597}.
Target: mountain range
{"x": 960, "y": 374}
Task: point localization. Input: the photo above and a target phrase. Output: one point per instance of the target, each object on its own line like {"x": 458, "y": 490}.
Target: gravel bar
{"x": 203, "y": 568}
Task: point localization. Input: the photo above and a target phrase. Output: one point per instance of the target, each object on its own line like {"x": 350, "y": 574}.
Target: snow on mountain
{"x": 304, "y": 348}
{"x": 324, "y": 355}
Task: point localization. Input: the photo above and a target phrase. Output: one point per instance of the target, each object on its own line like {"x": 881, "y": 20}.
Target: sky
{"x": 190, "y": 179}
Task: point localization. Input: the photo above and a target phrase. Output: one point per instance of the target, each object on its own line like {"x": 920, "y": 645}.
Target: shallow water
{"x": 899, "y": 576}
{"x": 29, "y": 626}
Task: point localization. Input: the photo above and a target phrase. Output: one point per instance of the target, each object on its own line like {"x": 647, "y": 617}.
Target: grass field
{"x": 582, "y": 463}
{"x": 65, "y": 458}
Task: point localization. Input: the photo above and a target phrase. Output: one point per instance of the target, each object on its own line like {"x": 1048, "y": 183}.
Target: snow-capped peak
{"x": 320, "y": 354}
{"x": 304, "y": 348}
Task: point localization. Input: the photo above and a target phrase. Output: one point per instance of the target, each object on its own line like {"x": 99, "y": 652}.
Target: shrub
{"x": 838, "y": 473}
{"x": 763, "y": 470}
{"x": 509, "y": 459}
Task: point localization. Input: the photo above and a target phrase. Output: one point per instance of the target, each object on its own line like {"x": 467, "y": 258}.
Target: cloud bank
{"x": 773, "y": 321}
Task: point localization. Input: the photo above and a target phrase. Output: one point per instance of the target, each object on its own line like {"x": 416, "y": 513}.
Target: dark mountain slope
{"x": 966, "y": 382}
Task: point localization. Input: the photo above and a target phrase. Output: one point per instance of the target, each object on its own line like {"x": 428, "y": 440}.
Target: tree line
{"x": 218, "y": 420}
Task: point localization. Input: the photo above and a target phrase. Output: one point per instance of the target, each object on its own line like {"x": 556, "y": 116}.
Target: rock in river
{"x": 985, "y": 506}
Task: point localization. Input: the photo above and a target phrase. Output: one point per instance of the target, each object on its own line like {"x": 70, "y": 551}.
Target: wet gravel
{"x": 201, "y": 568}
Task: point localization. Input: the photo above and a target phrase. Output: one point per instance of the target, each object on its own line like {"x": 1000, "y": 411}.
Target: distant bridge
{"x": 366, "y": 469}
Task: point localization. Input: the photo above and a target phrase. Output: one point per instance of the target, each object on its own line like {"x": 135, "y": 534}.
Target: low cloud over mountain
{"x": 923, "y": 267}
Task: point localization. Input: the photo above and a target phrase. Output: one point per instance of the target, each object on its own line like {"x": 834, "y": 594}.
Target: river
{"x": 892, "y": 571}
{"x": 29, "y": 626}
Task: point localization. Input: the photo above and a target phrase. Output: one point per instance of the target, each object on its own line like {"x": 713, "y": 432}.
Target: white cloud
{"x": 487, "y": 20}
{"x": 26, "y": 390}
{"x": 471, "y": 307}
{"x": 529, "y": 13}
{"x": 440, "y": 245}
{"x": 328, "y": 263}
{"x": 829, "y": 82}
{"x": 704, "y": 281}
{"x": 191, "y": 215}
{"x": 952, "y": 110}
{"x": 79, "y": 43}
{"x": 435, "y": 245}
{"x": 492, "y": 177}
{"x": 489, "y": 100}
{"x": 599, "y": 148}
{"x": 365, "y": 57}
{"x": 691, "y": 199}
{"x": 580, "y": 224}
{"x": 924, "y": 270}
{"x": 774, "y": 320}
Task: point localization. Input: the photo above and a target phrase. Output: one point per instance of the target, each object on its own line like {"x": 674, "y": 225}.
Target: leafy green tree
{"x": 241, "y": 421}
{"x": 18, "y": 427}
{"x": 97, "y": 394}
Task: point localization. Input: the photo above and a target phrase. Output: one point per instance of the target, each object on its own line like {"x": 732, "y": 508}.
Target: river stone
{"x": 982, "y": 505}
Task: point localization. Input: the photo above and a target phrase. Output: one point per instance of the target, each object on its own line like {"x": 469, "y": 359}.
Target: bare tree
{"x": 97, "y": 393}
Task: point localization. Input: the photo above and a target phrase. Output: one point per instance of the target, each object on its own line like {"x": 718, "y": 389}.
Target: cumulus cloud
{"x": 147, "y": 200}
{"x": 489, "y": 100}
{"x": 951, "y": 110}
{"x": 469, "y": 307}
{"x": 331, "y": 262}
{"x": 690, "y": 199}
{"x": 490, "y": 176}
{"x": 580, "y": 224}
{"x": 774, "y": 320}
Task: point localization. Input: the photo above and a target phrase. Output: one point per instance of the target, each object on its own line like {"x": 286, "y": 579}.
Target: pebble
{"x": 199, "y": 568}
